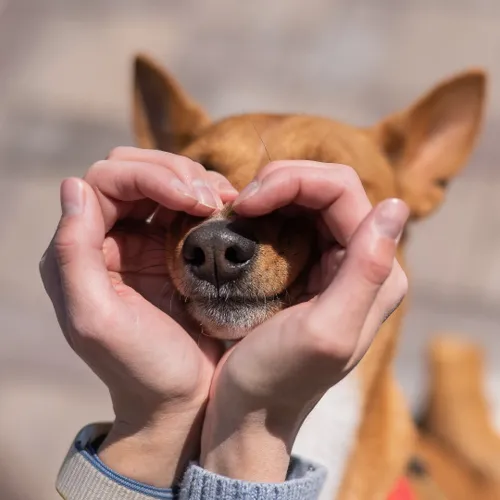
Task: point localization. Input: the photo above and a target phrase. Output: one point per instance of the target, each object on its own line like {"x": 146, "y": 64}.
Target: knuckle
{"x": 375, "y": 269}
{"x": 216, "y": 177}
{"x": 341, "y": 349}
{"x": 217, "y": 180}
{"x": 64, "y": 245}
{"x": 94, "y": 171}
{"x": 42, "y": 263}
{"x": 81, "y": 324}
{"x": 196, "y": 169}
{"x": 272, "y": 167}
{"x": 89, "y": 325}
{"x": 118, "y": 152}
{"x": 42, "y": 267}
{"x": 350, "y": 176}
{"x": 322, "y": 342}
{"x": 84, "y": 332}
{"x": 313, "y": 328}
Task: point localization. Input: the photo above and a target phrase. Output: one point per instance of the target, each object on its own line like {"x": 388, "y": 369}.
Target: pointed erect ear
{"x": 430, "y": 142}
{"x": 164, "y": 117}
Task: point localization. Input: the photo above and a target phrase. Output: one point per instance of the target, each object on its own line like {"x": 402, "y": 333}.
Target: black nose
{"x": 218, "y": 252}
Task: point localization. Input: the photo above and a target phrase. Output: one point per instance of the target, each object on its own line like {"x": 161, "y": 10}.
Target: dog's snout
{"x": 218, "y": 252}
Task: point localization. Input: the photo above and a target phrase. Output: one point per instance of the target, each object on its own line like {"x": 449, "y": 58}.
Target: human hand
{"x": 104, "y": 283}
{"x": 267, "y": 384}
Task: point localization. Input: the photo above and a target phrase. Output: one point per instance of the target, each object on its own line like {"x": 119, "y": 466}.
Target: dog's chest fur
{"x": 328, "y": 435}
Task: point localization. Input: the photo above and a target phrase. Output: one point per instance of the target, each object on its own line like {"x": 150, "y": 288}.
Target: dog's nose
{"x": 218, "y": 252}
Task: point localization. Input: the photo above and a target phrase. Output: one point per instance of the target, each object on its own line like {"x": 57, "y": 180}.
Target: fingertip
{"x": 390, "y": 217}
{"x": 206, "y": 194}
{"x": 198, "y": 198}
{"x": 228, "y": 196}
{"x": 220, "y": 183}
{"x": 249, "y": 191}
{"x": 226, "y": 188}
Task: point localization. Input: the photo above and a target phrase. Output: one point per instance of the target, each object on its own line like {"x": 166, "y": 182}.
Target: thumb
{"x": 78, "y": 249}
{"x": 368, "y": 263}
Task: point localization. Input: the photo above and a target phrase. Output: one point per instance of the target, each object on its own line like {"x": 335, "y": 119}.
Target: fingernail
{"x": 216, "y": 192}
{"x": 204, "y": 194}
{"x": 72, "y": 197}
{"x": 249, "y": 191}
{"x": 182, "y": 188}
{"x": 390, "y": 217}
{"x": 227, "y": 187}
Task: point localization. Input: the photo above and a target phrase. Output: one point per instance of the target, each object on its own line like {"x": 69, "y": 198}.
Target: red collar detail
{"x": 402, "y": 491}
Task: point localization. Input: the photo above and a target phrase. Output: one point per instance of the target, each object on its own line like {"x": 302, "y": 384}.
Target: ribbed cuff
{"x": 83, "y": 476}
{"x": 304, "y": 482}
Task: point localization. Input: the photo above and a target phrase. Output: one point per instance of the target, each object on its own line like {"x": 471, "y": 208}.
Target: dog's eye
{"x": 442, "y": 183}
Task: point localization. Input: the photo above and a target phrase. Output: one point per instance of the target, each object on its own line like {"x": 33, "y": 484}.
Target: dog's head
{"x": 233, "y": 272}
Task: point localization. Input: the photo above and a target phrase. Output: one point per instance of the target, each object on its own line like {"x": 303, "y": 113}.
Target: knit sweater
{"x": 83, "y": 476}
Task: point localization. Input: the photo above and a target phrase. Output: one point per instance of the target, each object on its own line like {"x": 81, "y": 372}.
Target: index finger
{"x": 333, "y": 189}
{"x": 118, "y": 183}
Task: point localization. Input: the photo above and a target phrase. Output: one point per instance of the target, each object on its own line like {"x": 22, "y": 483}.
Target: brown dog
{"x": 366, "y": 436}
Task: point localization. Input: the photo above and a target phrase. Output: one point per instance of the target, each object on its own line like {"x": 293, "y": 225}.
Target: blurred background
{"x": 64, "y": 101}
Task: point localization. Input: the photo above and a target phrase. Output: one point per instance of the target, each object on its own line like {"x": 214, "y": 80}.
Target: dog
{"x": 368, "y": 437}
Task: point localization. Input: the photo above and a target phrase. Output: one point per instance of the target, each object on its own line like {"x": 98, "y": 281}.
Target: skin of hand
{"x": 105, "y": 274}
{"x": 266, "y": 385}
{"x": 105, "y": 280}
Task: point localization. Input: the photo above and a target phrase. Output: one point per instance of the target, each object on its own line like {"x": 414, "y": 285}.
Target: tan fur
{"x": 412, "y": 154}
{"x": 457, "y": 418}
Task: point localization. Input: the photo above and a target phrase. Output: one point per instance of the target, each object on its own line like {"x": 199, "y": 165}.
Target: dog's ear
{"x": 164, "y": 116}
{"x": 430, "y": 142}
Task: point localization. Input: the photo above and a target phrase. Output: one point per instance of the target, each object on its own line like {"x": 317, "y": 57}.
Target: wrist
{"x": 249, "y": 445}
{"x": 154, "y": 450}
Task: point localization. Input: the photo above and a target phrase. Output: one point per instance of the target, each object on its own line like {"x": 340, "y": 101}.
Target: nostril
{"x": 240, "y": 253}
{"x": 234, "y": 256}
{"x": 194, "y": 255}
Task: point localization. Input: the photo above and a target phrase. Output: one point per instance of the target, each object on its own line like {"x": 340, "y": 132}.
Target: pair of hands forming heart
{"x": 159, "y": 372}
